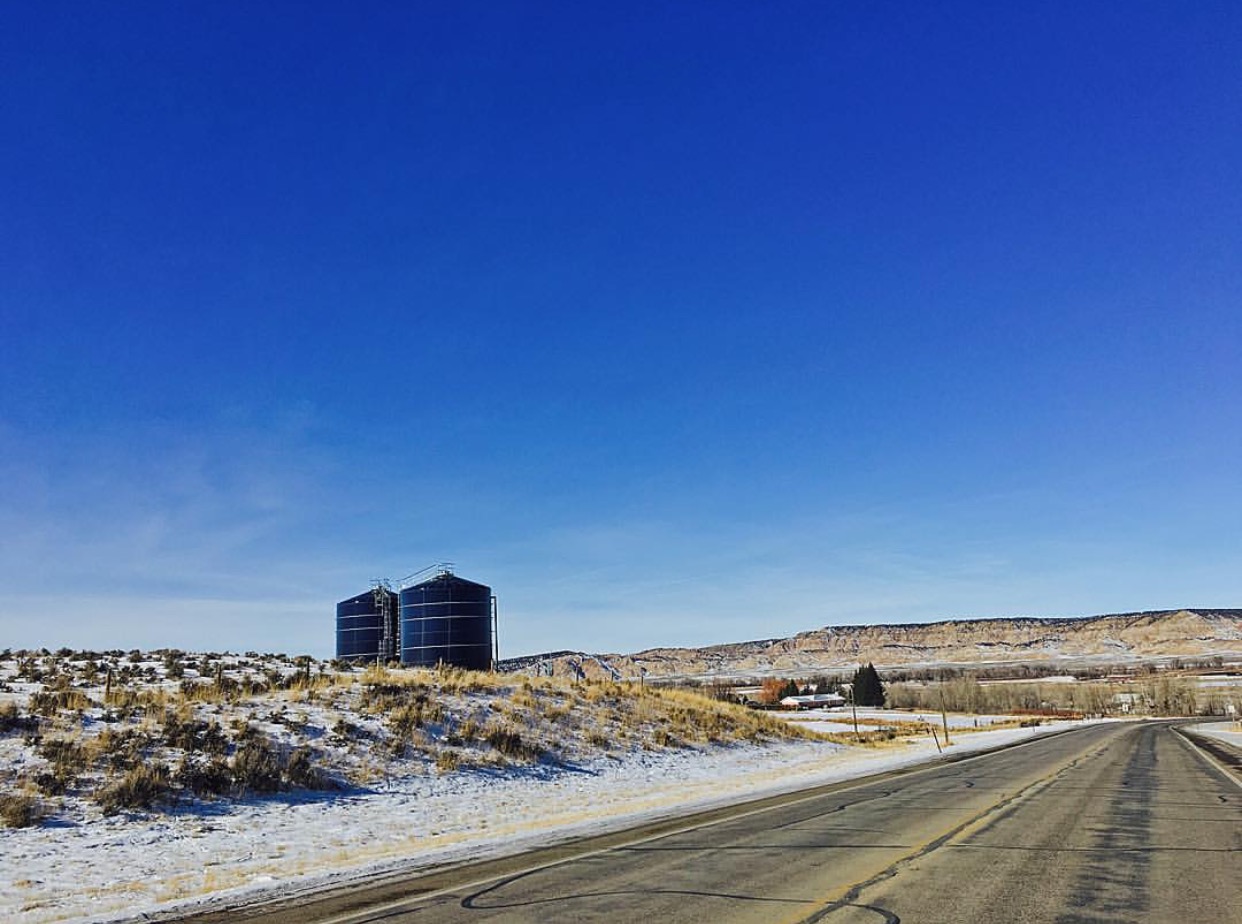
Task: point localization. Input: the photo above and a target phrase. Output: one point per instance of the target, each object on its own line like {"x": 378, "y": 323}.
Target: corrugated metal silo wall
{"x": 447, "y": 619}
{"x": 360, "y": 627}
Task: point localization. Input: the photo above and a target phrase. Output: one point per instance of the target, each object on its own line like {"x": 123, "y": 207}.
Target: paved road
{"x": 1104, "y": 825}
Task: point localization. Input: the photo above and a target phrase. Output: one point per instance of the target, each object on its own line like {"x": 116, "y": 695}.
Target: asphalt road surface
{"x": 1107, "y": 824}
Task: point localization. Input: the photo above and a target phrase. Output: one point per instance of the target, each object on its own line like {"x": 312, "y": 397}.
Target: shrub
{"x": 190, "y": 734}
{"x": 20, "y": 810}
{"x": 204, "y": 776}
{"x": 301, "y": 771}
{"x": 54, "y": 782}
{"x": 120, "y": 749}
{"x": 49, "y": 702}
{"x": 508, "y": 741}
{"x": 775, "y": 689}
{"x": 466, "y": 732}
{"x": 403, "y": 720}
{"x": 142, "y": 786}
{"x": 447, "y": 761}
{"x": 256, "y": 766}
{"x": 524, "y": 698}
{"x": 12, "y": 720}
{"x": 63, "y": 754}
{"x": 345, "y": 730}
{"x": 661, "y": 738}
{"x": 457, "y": 680}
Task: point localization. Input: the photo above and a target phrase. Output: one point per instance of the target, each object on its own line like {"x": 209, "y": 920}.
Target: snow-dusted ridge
{"x": 1151, "y": 637}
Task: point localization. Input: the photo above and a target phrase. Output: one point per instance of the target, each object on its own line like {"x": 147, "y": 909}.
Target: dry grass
{"x": 49, "y": 702}
{"x": 447, "y": 761}
{"x": 696, "y": 718}
{"x": 141, "y": 787}
{"x": 257, "y": 767}
{"x": 456, "y": 681}
{"x": 20, "y": 809}
{"x": 12, "y": 719}
{"x": 507, "y": 739}
{"x": 114, "y": 730}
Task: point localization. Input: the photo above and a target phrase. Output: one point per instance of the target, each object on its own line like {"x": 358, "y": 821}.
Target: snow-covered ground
{"x": 115, "y": 867}
{"x": 1228, "y": 732}
{"x": 1226, "y": 681}
{"x": 841, "y": 719}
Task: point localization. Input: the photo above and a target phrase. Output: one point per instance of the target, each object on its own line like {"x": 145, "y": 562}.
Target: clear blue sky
{"x": 675, "y": 323}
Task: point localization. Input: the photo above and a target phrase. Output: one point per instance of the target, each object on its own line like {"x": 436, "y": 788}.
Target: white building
{"x": 813, "y": 701}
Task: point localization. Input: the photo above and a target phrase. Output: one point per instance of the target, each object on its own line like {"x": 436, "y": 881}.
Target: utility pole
{"x": 854, "y": 709}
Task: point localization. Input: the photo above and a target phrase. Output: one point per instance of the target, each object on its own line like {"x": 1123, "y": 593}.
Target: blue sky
{"x": 675, "y": 323}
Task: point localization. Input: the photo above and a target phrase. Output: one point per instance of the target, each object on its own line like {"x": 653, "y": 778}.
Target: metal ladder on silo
{"x": 383, "y": 608}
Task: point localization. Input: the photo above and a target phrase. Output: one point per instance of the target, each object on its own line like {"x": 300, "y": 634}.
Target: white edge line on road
{"x": 1224, "y": 771}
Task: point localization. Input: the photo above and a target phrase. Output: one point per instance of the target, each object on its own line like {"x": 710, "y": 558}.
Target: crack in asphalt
{"x": 1004, "y": 806}
{"x": 472, "y": 901}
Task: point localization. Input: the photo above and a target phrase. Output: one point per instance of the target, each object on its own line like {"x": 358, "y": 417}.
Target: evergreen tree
{"x": 824, "y": 685}
{"x": 860, "y": 693}
{"x": 868, "y": 688}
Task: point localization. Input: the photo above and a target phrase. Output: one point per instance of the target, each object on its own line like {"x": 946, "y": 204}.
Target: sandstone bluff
{"x": 1125, "y": 638}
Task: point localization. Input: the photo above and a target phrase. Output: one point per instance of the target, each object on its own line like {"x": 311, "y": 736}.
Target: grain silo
{"x": 448, "y": 620}
{"x": 366, "y": 626}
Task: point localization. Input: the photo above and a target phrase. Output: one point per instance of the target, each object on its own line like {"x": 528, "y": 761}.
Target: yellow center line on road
{"x": 843, "y": 896}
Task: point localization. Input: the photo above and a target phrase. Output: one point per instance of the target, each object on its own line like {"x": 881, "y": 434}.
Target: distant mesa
{"x": 1125, "y": 638}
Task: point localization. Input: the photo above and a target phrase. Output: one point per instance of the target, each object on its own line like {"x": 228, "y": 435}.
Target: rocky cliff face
{"x": 1127, "y": 637}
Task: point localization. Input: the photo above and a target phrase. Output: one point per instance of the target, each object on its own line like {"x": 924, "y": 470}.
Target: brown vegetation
{"x": 20, "y": 810}
{"x": 1156, "y": 695}
{"x": 114, "y": 730}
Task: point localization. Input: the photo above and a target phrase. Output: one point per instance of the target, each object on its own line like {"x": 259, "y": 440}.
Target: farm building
{"x": 813, "y": 701}
{"x": 444, "y": 619}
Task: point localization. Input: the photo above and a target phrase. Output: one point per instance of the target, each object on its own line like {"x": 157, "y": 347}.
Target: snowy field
{"x": 107, "y": 868}
{"x": 1228, "y": 732}
{"x": 834, "y": 721}
{"x": 1220, "y": 681}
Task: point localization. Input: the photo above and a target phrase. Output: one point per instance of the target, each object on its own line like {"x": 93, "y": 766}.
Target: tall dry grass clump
{"x": 508, "y": 740}
{"x": 20, "y": 809}
{"x": 13, "y": 719}
{"x": 455, "y": 681}
{"x": 142, "y": 786}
